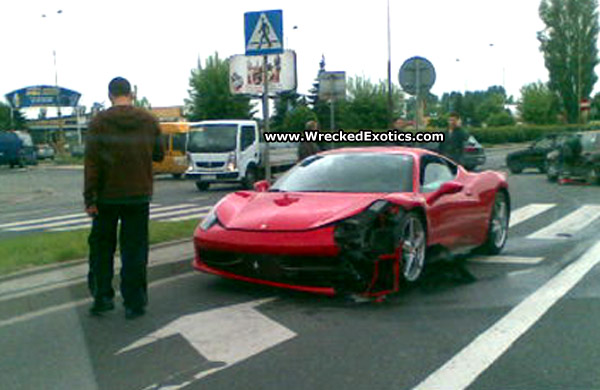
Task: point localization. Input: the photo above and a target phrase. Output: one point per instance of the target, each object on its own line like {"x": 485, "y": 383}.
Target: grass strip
{"x": 35, "y": 249}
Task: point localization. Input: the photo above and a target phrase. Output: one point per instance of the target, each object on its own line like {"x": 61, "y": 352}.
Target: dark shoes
{"x": 131, "y": 313}
{"x": 101, "y": 306}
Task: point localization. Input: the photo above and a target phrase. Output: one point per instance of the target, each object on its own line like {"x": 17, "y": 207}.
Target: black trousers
{"x": 133, "y": 243}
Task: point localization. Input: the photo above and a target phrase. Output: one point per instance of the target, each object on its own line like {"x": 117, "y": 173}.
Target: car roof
{"x": 415, "y": 152}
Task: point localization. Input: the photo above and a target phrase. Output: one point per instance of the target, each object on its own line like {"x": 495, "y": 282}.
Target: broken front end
{"x": 370, "y": 250}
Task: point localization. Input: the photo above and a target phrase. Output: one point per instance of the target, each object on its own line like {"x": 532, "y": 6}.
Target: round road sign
{"x": 417, "y": 75}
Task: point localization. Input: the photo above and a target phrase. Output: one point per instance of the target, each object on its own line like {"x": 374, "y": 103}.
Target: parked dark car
{"x": 577, "y": 156}
{"x": 473, "y": 156}
{"x": 77, "y": 150}
{"x": 534, "y": 156}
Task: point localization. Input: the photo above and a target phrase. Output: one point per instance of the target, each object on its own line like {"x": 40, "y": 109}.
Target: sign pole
{"x": 418, "y": 97}
{"x": 331, "y": 114}
{"x": 265, "y": 101}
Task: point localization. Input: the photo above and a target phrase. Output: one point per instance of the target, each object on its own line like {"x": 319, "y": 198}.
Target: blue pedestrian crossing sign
{"x": 264, "y": 32}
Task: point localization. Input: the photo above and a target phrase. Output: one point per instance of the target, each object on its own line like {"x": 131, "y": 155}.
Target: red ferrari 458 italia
{"x": 354, "y": 220}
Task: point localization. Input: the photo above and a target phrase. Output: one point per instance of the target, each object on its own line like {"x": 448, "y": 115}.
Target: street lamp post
{"x": 60, "y": 138}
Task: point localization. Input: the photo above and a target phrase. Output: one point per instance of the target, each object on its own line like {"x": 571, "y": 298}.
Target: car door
{"x": 453, "y": 218}
{"x": 248, "y": 147}
{"x": 538, "y": 155}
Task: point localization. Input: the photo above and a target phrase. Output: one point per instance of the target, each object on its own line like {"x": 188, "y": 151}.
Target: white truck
{"x": 233, "y": 151}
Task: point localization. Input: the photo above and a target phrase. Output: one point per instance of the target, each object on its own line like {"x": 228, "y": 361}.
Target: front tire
{"x": 592, "y": 176}
{"x": 498, "y": 225}
{"x": 413, "y": 242}
{"x": 552, "y": 171}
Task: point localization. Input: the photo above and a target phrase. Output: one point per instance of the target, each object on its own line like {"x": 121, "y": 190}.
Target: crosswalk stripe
{"x": 506, "y": 259}
{"x": 570, "y": 224}
{"x": 68, "y": 223}
{"x": 191, "y": 216}
{"x": 80, "y": 216}
{"x": 34, "y": 221}
{"x": 179, "y": 212}
{"x": 524, "y": 213}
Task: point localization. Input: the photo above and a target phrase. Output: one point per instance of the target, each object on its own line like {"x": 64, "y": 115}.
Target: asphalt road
{"x": 525, "y": 320}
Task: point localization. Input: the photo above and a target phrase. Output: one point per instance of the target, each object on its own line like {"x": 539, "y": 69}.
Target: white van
{"x": 232, "y": 151}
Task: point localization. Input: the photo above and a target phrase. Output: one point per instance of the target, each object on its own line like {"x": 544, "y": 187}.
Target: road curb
{"x": 71, "y": 263}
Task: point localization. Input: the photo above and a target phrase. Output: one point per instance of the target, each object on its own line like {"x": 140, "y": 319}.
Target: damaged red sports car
{"x": 355, "y": 220}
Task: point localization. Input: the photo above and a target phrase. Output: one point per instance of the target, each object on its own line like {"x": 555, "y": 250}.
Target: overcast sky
{"x": 155, "y": 44}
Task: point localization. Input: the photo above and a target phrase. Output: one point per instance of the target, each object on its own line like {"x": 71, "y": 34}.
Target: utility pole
{"x": 389, "y": 69}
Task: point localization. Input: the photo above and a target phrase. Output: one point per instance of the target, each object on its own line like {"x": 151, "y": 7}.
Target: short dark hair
{"x": 119, "y": 86}
{"x": 455, "y": 114}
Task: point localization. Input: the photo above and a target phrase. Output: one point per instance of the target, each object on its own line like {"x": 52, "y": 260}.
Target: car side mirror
{"x": 450, "y": 187}
{"x": 262, "y": 186}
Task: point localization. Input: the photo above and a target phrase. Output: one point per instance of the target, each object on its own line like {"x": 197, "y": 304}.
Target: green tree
{"x": 296, "y": 119}
{"x": 569, "y": 45}
{"x": 143, "y": 102}
{"x": 284, "y": 103}
{"x": 11, "y": 119}
{"x": 366, "y": 106}
{"x": 210, "y": 97}
{"x": 498, "y": 119}
{"x": 321, "y": 108}
{"x": 539, "y": 104}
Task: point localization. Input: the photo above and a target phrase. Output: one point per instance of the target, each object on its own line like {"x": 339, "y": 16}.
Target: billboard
{"x": 332, "y": 85}
{"x": 43, "y": 96}
{"x": 246, "y": 73}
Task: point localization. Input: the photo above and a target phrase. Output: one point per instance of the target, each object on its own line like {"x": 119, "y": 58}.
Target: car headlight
{"x": 231, "y": 162}
{"x": 210, "y": 220}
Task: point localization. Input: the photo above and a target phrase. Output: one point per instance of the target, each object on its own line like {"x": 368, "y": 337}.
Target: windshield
{"x": 212, "y": 139}
{"x": 590, "y": 141}
{"x": 351, "y": 172}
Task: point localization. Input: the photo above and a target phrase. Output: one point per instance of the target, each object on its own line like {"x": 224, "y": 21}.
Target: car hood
{"x": 289, "y": 211}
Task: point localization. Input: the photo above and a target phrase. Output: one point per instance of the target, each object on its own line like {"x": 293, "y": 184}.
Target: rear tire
{"x": 202, "y": 185}
{"x": 514, "y": 168}
{"x": 498, "y": 225}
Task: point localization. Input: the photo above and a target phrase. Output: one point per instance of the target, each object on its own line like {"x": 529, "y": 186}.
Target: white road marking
{"x": 570, "y": 224}
{"x": 180, "y": 212}
{"x": 506, "y": 259}
{"x": 71, "y": 305}
{"x": 81, "y": 220}
{"x": 230, "y": 335}
{"x": 524, "y": 213}
{"x": 186, "y": 217}
{"x": 33, "y": 221}
{"x": 459, "y": 372}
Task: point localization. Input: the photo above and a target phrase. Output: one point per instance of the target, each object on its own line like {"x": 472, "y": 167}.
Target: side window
{"x": 165, "y": 141}
{"x": 543, "y": 143}
{"x": 179, "y": 142}
{"x": 248, "y": 137}
{"x": 435, "y": 172}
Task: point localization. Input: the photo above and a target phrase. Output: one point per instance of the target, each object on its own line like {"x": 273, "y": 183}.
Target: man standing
{"x": 121, "y": 144}
{"x": 456, "y": 137}
{"x": 306, "y": 149}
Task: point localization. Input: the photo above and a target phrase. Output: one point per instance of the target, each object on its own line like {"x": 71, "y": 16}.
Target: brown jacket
{"x": 306, "y": 149}
{"x": 121, "y": 144}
